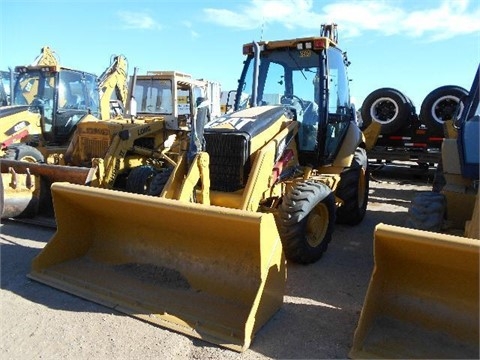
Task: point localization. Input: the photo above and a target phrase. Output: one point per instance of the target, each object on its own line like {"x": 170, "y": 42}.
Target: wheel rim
{"x": 444, "y": 108}
{"x": 317, "y": 225}
{"x": 384, "y": 110}
{"x": 29, "y": 159}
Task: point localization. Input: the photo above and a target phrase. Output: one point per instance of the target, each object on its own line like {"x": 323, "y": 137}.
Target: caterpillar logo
{"x": 17, "y": 127}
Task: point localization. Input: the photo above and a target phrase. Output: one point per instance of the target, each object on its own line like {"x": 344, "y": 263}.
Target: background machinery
{"x": 205, "y": 255}
{"x": 423, "y": 296}
{"x": 48, "y": 103}
{"x": 174, "y": 96}
{"x": 113, "y": 86}
{"x": 395, "y": 132}
{"x": 121, "y": 153}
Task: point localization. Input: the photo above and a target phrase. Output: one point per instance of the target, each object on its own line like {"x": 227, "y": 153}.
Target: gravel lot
{"x": 321, "y": 307}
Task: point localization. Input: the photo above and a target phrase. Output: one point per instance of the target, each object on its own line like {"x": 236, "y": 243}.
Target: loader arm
{"x": 122, "y": 143}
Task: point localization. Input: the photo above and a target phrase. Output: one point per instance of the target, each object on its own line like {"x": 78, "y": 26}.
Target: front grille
{"x": 93, "y": 148}
{"x": 229, "y": 160}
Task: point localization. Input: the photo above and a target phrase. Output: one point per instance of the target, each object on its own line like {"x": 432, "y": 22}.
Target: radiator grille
{"x": 229, "y": 161}
{"x": 93, "y": 148}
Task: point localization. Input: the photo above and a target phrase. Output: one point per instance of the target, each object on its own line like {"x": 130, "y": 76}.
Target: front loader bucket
{"x": 423, "y": 297}
{"x": 213, "y": 273}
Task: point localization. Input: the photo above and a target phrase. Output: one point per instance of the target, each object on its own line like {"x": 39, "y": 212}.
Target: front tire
{"x": 353, "y": 190}
{"x": 159, "y": 181}
{"x": 306, "y": 221}
{"x": 139, "y": 179}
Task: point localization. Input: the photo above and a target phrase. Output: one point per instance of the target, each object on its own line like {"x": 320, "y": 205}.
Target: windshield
{"x": 294, "y": 78}
{"x": 77, "y": 95}
{"x": 154, "y": 96}
{"x": 32, "y": 85}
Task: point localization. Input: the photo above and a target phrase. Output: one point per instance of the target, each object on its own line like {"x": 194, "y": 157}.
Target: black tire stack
{"x": 395, "y": 111}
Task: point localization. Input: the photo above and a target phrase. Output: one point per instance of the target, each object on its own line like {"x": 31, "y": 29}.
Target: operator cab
{"x": 63, "y": 97}
{"x": 308, "y": 78}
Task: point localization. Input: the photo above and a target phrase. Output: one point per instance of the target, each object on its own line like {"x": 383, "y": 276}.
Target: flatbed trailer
{"x": 414, "y": 143}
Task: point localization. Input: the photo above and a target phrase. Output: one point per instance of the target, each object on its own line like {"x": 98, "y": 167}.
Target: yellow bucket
{"x": 423, "y": 297}
{"x": 213, "y": 273}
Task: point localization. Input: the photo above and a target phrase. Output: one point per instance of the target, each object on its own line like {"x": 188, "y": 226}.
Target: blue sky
{"x": 413, "y": 46}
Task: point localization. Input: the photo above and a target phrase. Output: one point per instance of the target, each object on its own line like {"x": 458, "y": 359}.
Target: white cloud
{"x": 138, "y": 20}
{"x": 194, "y": 34}
{"x": 431, "y": 19}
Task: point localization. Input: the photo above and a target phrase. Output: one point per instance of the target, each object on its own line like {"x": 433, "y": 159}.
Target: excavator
{"x": 203, "y": 249}
{"x": 49, "y": 101}
{"x": 423, "y": 296}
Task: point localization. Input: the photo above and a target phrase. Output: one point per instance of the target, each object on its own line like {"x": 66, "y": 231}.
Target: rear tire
{"x": 389, "y": 107}
{"x": 440, "y": 105}
{"x": 353, "y": 190}
{"x": 24, "y": 152}
{"x": 306, "y": 221}
{"x": 139, "y": 179}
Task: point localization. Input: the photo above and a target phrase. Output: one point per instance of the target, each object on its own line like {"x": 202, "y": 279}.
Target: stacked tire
{"x": 389, "y": 107}
{"x": 440, "y": 105}
{"x": 395, "y": 111}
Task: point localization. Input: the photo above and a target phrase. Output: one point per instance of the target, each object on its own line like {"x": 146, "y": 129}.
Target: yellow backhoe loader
{"x": 203, "y": 252}
{"x": 423, "y": 296}
{"x": 49, "y": 101}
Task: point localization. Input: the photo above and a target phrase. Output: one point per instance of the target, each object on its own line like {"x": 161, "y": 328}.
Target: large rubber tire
{"x": 23, "y": 152}
{"x": 306, "y": 221}
{"x": 159, "y": 181}
{"x": 353, "y": 190}
{"x": 139, "y": 179}
{"x": 389, "y": 107}
{"x": 440, "y": 105}
{"x": 427, "y": 211}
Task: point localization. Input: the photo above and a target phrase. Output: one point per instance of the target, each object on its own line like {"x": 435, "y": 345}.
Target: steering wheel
{"x": 291, "y": 99}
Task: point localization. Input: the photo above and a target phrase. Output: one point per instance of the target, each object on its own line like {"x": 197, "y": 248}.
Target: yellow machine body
{"x": 162, "y": 271}
{"x": 204, "y": 255}
{"x": 423, "y": 297}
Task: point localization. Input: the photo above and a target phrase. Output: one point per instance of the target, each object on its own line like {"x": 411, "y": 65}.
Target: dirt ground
{"x": 322, "y": 302}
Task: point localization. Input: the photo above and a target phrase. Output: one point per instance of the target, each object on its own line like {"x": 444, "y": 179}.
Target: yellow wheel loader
{"x": 49, "y": 101}
{"x": 203, "y": 251}
{"x": 423, "y": 296}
